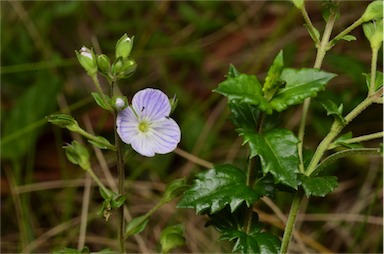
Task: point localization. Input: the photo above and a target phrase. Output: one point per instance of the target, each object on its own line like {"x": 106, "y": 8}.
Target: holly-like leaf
{"x": 277, "y": 149}
{"x": 218, "y": 187}
{"x": 254, "y": 242}
{"x": 300, "y": 84}
{"x": 244, "y": 88}
{"x": 333, "y": 109}
{"x": 244, "y": 116}
{"x": 232, "y": 72}
{"x": 318, "y": 186}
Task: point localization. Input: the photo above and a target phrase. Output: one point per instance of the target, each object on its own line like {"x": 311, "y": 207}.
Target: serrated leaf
{"x": 254, "y": 242}
{"x": 265, "y": 186}
{"x": 244, "y": 116}
{"x": 333, "y": 109}
{"x": 273, "y": 81}
{"x": 136, "y": 225}
{"x": 378, "y": 80}
{"x": 218, "y": 187}
{"x": 244, "y": 88}
{"x": 172, "y": 237}
{"x": 300, "y": 84}
{"x": 318, "y": 186}
{"x": 277, "y": 150}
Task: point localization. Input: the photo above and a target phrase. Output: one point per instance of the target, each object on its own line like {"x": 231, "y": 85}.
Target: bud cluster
{"x": 122, "y": 67}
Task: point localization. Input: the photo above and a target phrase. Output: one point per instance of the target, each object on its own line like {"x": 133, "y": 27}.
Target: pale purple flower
{"x": 146, "y": 124}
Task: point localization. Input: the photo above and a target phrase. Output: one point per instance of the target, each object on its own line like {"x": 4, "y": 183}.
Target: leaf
{"x": 174, "y": 189}
{"x": 64, "y": 121}
{"x": 378, "y": 80}
{"x": 333, "y": 109}
{"x": 244, "y": 88}
{"x": 218, "y": 187}
{"x": 136, "y": 225}
{"x": 314, "y": 33}
{"x": 340, "y": 141}
{"x": 101, "y": 142}
{"x": 273, "y": 81}
{"x": 244, "y": 116}
{"x": 277, "y": 149}
{"x": 318, "y": 186}
{"x": 348, "y": 37}
{"x": 102, "y": 100}
{"x": 232, "y": 72}
{"x": 172, "y": 237}
{"x": 85, "y": 250}
{"x": 300, "y": 85}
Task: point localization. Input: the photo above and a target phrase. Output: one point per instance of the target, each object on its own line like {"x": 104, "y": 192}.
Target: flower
{"x": 146, "y": 124}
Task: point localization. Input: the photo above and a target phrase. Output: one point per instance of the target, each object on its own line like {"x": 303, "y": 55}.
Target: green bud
{"x": 64, "y": 121}
{"x": 171, "y": 237}
{"x": 173, "y": 103}
{"x": 374, "y": 32}
{"x": 87, "y": 59}
{"x": 174, "y": 189}
{"x": 124, "y": 46}
{"x": 103, "y": 63}
{"x": 123, "y": 68}
{"x": 374, "y": 11}
{"x": 77, "y": 154}
{"x": 298, "y": 3}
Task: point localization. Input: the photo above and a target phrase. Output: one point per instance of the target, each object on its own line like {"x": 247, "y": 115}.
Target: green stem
{"x": 295, "y": 207}
{"x": 311, "y": 28}
{"x": 345, "y": 32}
{"x": 360, "y": 139}
{"x": 97, "y": 180}
{"x": 375, "y": 52}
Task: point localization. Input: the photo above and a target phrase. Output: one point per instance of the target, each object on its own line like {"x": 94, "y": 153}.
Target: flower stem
{"x": 375, "y": 52}
{"x": 295, "y": 207}
{"x": 121, "y": 175}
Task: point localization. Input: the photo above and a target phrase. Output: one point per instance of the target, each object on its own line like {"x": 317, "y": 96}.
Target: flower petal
{"x": 127, "y": 123}
{"x": 151, "y": 104}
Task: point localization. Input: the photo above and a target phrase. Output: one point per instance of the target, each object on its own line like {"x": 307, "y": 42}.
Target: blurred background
{"x": 184, "y": 48}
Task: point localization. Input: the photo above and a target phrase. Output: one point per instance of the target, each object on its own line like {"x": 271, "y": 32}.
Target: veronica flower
{"x": 146, "y": 124}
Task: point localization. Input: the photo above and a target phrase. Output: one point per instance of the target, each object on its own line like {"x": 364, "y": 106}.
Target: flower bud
{"x": 124, "y": 46}
{"x": 120, "y": 103}
{"x": 374, "y": 32}
{"x": 78, "y": 154}
{"x": 87, "y": 59}
{"x": 373, "y": 11}
{"x": 123, "y": 68}
{"x": 103, "y": 63}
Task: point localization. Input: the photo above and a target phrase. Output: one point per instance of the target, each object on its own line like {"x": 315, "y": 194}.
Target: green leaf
{"x": 232, "y": 226}
{"x": 218, "y": 187}
{"x": 340, "y": 141}
{"x": 265, "y": 186}
{"x": 315, "y": 34}
{"x": 318, "y": 186}
{"x": 300, "y": 84}
{"x": 174, "y": 189}
{"x": 277, "y": 150}
{"x": 102, "y": 100}
{"x": 273, "y": 81}
{"x": 373, "y": 11}
{"x": 232, "y": 72}
{"x": 244, "y": 88}
{"x": 118, "y": 201}
{"x": 378, "y": 81}
{"x": 64, "y": 121}
{"x": 172, "y": 237}
{"x": 244, "y": 116}
{"x": 101, "y": 142}
{"x": 332, "y": 109}
{"x": 348, "y": 37}
{"x": 136, "y": 225}
{"x": 77, "y": 154}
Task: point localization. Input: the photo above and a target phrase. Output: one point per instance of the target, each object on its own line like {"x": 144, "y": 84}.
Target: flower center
{"x": 143, "y": 126}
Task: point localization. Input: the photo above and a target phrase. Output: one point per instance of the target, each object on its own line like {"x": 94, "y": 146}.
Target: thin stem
{"x": 295, "y": 207}
{"x": 311, "y": 28}
{"x": 97, "y": 180}
{"x": 121, "y": 175}
{"x": 360, "y": 139}
{"x": 375, "y": 52}
{"x": 345, "y": 32}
